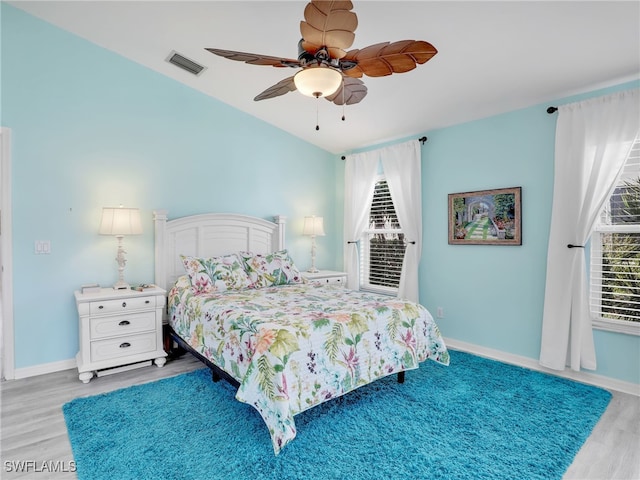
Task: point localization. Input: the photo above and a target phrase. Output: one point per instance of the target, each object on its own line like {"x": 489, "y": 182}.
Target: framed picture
{"x": 486, "y": 217}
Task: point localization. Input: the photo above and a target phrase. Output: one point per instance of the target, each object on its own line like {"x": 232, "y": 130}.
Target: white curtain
{"x": 401, "y": 165}
{"x": 593, "y": 140}
{"x": 359, "y": 180}
{"x": 402, "y": 168}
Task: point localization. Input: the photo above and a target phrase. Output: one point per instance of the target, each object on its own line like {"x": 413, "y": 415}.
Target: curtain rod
{"x": 551, "y": 110}
{"x": 421, "y": 140}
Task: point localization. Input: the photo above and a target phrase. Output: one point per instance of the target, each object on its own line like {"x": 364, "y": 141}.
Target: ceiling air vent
{"x": 184, "y": 63}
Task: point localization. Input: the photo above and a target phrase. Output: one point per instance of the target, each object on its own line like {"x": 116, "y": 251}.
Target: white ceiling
{"x": 493, "y": 57}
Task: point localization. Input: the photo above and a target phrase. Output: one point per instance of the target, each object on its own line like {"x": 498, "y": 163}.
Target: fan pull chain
{"x": 317, "y": 114}
{"x": 343, "y": 89}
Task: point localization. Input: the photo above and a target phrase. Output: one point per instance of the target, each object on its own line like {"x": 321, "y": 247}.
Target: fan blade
{"x": 280, "y": 88}
{"x": 386, "y": 58}
{"x": 328, "y": 24}
{"x": 354, "y": 92}
{"x": 255, "y": 59}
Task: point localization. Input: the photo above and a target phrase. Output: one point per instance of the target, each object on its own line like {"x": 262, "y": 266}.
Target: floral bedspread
{"x": 292, "y": 347}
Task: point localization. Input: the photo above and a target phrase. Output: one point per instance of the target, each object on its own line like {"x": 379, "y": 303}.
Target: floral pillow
{"x": 215, "y": 274}
{"x": 270, "y": 269}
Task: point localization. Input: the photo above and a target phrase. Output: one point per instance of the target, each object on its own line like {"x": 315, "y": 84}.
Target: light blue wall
{"x": 92, "y": 129}
{"x": 493, "y": 296}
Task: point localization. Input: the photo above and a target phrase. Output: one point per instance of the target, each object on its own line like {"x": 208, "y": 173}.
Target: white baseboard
{"x": 510, "y": 358}
{"x": 505, "y": 357}
{"x": 44, "y": 368}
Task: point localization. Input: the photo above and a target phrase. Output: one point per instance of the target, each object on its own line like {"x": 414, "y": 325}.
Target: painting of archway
{"x": 486, "y": 217}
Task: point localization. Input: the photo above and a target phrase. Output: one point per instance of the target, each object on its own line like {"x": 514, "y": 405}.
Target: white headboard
{"x": 208, "y": 235}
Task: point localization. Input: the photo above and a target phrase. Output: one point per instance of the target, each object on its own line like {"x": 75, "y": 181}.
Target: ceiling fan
{"x": 327, "y": 69}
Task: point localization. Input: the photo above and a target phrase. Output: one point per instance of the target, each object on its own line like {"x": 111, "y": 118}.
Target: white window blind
{"x": 382, "y": 246}
{"x": 615, "y": 254}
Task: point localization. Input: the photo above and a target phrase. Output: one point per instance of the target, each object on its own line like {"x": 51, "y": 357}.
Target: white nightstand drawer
{"x": 325, "y": 277}
{"x": 124, "y": 305}
{"x": 329, "y": 280}
{"x": 123, "y": 346}
{"x": 102, "y": 327}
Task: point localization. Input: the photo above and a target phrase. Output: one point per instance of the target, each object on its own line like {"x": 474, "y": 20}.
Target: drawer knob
{"x": 125, "y": 345}
{"x": 124, "y": 304}
{"x": 124, "y": 322}
{"x": 147, "y": 301}
{"x": 101, "y": 307}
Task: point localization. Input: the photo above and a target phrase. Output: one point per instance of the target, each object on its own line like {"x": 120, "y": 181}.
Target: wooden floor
{"x": 33, "y": 427}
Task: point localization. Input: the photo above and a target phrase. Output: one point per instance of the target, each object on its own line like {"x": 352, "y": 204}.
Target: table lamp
{"x": 120, "y": 221}
{"x": 313, "y": 226}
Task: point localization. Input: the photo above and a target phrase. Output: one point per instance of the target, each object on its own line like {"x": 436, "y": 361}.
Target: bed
{"x": 238, "y": 302}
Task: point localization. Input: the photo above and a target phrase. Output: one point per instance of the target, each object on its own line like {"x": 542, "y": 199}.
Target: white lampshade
{"x": 313, "y": 226}
{"x": 120, "y": 221}
{"x": 317, "y": 81}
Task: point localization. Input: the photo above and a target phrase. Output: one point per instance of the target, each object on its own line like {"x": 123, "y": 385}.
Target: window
{"x": 615, "y": 255}
{"x": 382, "y": 245}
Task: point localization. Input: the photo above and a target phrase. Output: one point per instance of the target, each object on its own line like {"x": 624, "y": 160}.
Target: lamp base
{"x": 120, "y": 258}
{"x": 313, "y": 270}
{"x": 120, "y": 285}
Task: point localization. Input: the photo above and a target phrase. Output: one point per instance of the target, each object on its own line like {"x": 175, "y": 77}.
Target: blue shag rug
{"x": 475, "y": 419}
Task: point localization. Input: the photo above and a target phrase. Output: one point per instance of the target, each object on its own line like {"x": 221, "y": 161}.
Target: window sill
{"x": 617, "y": 326}
{"x": 379, "y": 291}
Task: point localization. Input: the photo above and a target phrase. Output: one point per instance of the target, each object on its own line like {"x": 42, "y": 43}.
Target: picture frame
{"x": 486, "y": 217}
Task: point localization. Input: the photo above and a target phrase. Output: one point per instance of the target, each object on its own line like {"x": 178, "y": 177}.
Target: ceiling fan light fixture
{"x": 318, "y": 81}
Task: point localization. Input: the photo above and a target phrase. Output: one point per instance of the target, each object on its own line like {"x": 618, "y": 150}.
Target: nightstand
{"x": 325, "y": 277}
{"x": 119, "y": 330}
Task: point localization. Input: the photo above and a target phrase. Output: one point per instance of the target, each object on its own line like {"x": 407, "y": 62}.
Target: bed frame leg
{"x": 401, "y": 377}
{"x": 214, "y": 376}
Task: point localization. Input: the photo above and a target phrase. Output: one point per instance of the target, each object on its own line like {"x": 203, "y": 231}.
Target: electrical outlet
{"x": 440, "y": 312}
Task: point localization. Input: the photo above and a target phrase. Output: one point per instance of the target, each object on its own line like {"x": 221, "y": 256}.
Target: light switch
{"x": 43, "y": 247}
